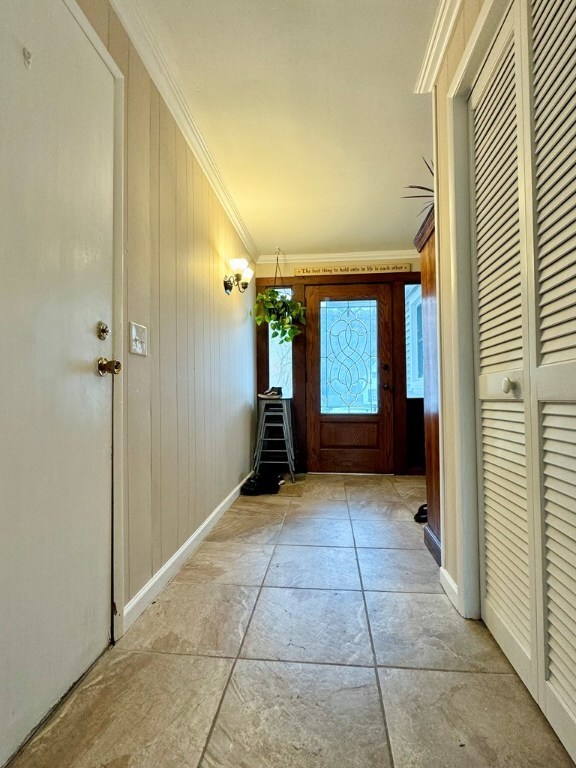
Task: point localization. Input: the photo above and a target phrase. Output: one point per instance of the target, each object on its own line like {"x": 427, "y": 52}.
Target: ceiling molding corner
{"x": 146, "y": 45}
{"x": 442, "y": 28}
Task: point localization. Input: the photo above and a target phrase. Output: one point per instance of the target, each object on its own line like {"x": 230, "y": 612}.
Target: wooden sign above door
{"x": 353, "y": 269}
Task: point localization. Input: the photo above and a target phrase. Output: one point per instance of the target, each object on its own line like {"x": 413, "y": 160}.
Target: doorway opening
{"x": 355, "y": 373}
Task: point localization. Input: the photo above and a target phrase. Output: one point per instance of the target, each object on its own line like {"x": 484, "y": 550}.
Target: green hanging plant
{"x": 282, "y": 314}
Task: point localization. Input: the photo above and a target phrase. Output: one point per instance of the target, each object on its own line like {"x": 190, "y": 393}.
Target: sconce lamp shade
{"x": 240, "y": 277}
{"x": 238, "y": 265}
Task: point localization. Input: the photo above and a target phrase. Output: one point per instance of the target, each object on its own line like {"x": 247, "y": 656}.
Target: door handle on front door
{"x": 387, "y": 387}
{"x": 109, "y": 366}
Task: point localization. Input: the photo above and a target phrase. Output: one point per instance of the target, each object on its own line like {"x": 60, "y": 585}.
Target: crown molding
{"x": 442, "y": 29}
{"x": 360, "y": 256}
{"x": 146, "y": 45}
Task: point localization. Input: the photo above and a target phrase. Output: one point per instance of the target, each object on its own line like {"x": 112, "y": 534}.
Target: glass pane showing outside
{"x": 414, "y": 345}
{"x": 280, "y": 359}
{"x": 348, "y": 356}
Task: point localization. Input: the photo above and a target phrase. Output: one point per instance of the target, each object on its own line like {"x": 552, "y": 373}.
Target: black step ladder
{"x": 274, "y": 441}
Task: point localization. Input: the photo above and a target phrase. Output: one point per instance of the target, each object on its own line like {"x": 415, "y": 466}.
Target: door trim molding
{"x": 299, "y": 284}
{"x": 463, "y": 409}
{"x": 121, "y": 350}
{"x": 117, "y": 500}
{"x": 134, "y": 608}
{"x": 444, "y": 23}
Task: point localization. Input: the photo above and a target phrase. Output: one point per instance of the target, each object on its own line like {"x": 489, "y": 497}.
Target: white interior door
{"x": 56, "y": 280}
{"x": 522, "y": 116}
{"x": 502, "y": 358}
{"x": 553, "y": 36}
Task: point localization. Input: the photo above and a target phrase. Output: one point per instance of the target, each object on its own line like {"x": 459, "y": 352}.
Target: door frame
{"x": 299, "y": 285}
{"x": 383, "y": 455}
{"x": 117, "y": 599}
{"x": 465, "y": 593}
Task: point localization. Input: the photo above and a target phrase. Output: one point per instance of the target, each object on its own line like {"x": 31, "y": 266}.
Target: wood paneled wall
{"x": 189, "y": 404}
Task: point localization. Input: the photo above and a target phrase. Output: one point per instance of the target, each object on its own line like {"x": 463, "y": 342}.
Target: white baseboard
{"x": 152, "y": 589}
{"x": 450, "y": 587}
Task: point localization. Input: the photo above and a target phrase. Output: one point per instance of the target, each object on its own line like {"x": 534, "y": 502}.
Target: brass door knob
{"x": 109, "y": 366}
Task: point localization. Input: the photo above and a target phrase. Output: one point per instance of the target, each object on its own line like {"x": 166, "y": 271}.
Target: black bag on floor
{"x": 256, "y": 485}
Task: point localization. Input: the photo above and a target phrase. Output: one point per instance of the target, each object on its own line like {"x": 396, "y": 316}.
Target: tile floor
{"x": 308, "y": 631}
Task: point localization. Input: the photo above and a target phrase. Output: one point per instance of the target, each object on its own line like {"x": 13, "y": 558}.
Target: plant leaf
{"x": 418, "y": 186}
{"x": 429, "y": 165}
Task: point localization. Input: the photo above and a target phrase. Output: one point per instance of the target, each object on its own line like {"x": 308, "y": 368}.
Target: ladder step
{"x": 274, "y": 444}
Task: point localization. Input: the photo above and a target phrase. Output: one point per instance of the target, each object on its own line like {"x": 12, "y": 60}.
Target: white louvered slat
{"x": 495, "y": 171}
{"x": 555, "y": 176}
{"x": 559, "y": 471}
{"x": 563, "y": 193}
{"x": 554, "y": 49}
{"x": 506, "y": 541}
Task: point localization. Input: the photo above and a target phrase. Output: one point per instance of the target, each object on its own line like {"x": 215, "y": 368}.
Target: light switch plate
{"x": 138, "y": 339}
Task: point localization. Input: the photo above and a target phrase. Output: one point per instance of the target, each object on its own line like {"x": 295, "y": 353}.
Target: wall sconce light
{"x": 240, "y": 277}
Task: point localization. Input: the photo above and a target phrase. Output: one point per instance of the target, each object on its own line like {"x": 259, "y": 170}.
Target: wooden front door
{"x": 349, "y": 384}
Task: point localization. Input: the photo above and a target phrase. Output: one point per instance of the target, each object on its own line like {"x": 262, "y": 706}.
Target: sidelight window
{"x": 414, "y": 341}
{"x": 280, "y": 358}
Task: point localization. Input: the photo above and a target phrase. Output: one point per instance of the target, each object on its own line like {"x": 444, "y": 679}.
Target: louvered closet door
{"x": 507, "y": 551}
{"x": 554, "y": 106}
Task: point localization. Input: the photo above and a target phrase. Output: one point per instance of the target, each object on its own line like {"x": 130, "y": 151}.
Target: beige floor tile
{"x": 372, "y": 493}
{"x": 314, "y": 568}
{"x": 247, "y": 527}
{"x": 278, "y": 715}
{"x": 291, "y": 489}
{"x": 226, "y": 563}
{"x": 133, "y": 710}
{"x": 316, "y": 531}
{"x": 412, "y": 494}
{"x": 414, "y": 506}
{"x": 369, "y": 481}
{"x": 384, "y": 510}
{"x": 309, "y": 625}
{"x": 199, "y": 619}
{"x": 305, "y": 507}
{"x": 415, "y": 481}
{"x": 326, "y": 478}
{"x": 288, "y": 488}
{"x": 334, "y": 491}
{"x": 399, "y": 570}
{"x": 273, "y": 503}
{"x": 426, "y": 632}
{"x": 389, "y": 534}
{"x": 466, "y": 720}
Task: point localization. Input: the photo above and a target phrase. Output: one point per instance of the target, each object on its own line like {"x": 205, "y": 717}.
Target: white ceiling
{"x": 308, "y": 111}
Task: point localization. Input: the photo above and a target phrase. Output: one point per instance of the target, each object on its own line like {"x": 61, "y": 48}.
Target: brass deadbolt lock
{"x": 109, "y": 366}
{"x": 102, "y": 331}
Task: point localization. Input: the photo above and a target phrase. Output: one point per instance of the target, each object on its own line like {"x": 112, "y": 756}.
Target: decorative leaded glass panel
{"x": 348, "y": 356}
